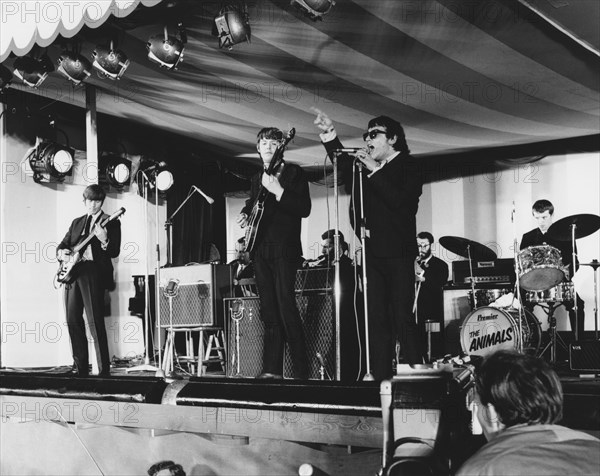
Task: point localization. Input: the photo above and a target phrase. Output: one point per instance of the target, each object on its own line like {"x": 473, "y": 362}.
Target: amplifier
{"x": 198, "y": 297}
{"x": 585, "y": 355}
{"x": 494, "y": 271}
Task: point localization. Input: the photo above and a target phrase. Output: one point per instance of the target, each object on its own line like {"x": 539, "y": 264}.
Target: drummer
{"x": 543, "y": 213}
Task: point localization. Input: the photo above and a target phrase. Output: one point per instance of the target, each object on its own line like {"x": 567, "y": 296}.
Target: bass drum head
{"x": 488, "y": 329}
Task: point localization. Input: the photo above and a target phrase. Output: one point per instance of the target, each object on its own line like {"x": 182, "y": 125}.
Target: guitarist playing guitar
{"x": 276, "y": 250}
{"x": 90, "y": 277}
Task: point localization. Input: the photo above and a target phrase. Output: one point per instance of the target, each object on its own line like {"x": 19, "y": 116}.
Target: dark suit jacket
{"x": 430, "y": 304}
{"x": 391, "y": 198}
{"x": 536, "y": 238}
{"x": 101, "y": 257}
{"x": 279, "y": 230}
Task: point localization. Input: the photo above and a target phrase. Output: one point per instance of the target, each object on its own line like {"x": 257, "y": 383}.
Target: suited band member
{"x": 243, "y": 271}
{"x": 277, "y": 255}
{"x": 431, "y": 273}
{"x": 392, "y": 187}
{"x": 92, "y": 276}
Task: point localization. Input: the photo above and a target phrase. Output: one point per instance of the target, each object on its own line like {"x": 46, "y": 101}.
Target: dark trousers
{"x": 275, "y": 278}
{"x": 390, "y": 296}
{"x": 87, "y": 292}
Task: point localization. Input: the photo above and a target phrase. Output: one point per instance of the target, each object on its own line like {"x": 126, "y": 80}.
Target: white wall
{"x": 34, "y": 219}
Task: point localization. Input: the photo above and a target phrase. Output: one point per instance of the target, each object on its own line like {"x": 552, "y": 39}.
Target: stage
{"x": 213, "y": 425}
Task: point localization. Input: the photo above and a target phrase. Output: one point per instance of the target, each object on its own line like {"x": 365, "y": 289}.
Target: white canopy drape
{"x": 28, "y": 22}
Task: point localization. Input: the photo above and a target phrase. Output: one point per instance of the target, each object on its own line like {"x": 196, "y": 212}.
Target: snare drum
{"x": 483, "y": 297}
{"x": 564, "y": 292}
{"x": 488, "y": 329}
{"x": 540, "y": 267}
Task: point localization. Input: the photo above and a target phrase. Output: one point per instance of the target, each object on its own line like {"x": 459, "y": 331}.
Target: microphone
{"x": 208, "y": 199}
{"x": 348, "y": 150}
{"x": 320, "y": 359}
{"x": 512, "y": 215}
{"x": 157, "y": 165}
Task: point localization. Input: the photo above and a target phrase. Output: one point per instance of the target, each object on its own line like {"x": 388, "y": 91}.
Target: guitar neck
{"x": 103, "y": 223}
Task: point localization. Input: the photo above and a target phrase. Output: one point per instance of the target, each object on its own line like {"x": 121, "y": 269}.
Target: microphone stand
{"x": 146, "y": 365}
{"x": 574, "y": 257}
{"x": 336, "y": 254}
{"x": 517, "y": 282}
{"x": 169, "y": 222}
{"x": 363, "y": 236}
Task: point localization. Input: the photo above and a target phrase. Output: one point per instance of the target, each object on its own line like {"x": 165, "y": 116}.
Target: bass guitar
{"x": 64, "y": 274}
{"x": 258, "y": 209}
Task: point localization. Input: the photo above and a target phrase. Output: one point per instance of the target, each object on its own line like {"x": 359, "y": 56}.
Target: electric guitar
{"x": 64, "y": 274}
{"x": 258, "y": 209}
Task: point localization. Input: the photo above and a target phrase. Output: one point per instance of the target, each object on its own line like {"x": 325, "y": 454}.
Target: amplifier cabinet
{"x": 585, "y": 355}
{"x": 198, "y": 297}
{"x": 493, "y": 271}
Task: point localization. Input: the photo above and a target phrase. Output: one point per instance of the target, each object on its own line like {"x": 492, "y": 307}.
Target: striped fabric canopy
{"x": 460, "y": 75}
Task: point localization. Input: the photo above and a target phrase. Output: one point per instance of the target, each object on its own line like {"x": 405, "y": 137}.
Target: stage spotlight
{"x": 5, "y": 77}
{"x": 115, "y": 170}
{"x": 110, "y": 62}
{"x": 165, "y": 50}
{"x": 49, "y": 159}
{"x": 314, "y": 9}
{"x": 74, "y": 67}
{"x": 232, "y": 26}
{"x": 164, "y": 180}
{"x": 33, "y": 71}
{"x": 157, "y": 174}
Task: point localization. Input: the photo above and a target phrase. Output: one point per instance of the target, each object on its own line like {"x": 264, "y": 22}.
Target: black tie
{"x": 88, "y": 223}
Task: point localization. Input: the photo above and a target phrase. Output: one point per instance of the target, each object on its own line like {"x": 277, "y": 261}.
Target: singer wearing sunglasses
{"x": 392, "y": 185}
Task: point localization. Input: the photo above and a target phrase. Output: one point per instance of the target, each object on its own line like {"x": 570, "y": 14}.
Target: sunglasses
{"x": 372, "y": 134}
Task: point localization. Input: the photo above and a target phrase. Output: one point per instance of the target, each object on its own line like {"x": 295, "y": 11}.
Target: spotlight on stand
{"x": 74, "y": 67}
{"x": 50, "y": 160}
{"x": 115, "y": 170}
{"x": 314, "y": 9}
{"x": 232, "y": 25}
{"x": 110, "y": 62}
{"x": 167, "y": 50}
{"x": 5, "y": 77}
{"x": 157, "y": 175}
{"x": 33, "y": 71}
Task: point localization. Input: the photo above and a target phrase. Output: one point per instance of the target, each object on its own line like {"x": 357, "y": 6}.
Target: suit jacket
{"x": 101, "y": 257}
{"x": 279, "y": 229}
{"x": 430, "y": 304}
{"x": 391, "y": 197}
{"x": 535, "y": 237}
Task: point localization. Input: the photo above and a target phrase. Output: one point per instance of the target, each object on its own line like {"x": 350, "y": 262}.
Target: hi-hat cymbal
{"x": 464, "y": 247}
{"x": 585, "y": 224}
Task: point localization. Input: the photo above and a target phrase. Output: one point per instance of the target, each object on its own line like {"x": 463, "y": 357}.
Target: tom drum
{"x": 540, "y": 267}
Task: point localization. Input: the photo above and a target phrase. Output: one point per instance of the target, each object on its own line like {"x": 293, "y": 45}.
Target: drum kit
{"x": 495, "y": 322}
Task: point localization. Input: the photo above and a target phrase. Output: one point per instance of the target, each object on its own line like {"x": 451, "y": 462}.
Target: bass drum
{"x": 488, "y": 329}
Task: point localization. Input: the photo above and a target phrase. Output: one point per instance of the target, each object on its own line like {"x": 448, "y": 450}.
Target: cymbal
{"x": 463, "y": 246}
{"x": 585, "y": 224}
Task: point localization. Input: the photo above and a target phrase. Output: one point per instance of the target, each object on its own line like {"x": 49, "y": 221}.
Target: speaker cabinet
{"x": 245, "y": 335}
{"x": 318, "y": 322}
{"x": 193, "y": 295}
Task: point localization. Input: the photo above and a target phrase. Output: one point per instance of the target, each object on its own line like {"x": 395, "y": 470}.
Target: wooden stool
{"x": 210, "y": 349}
